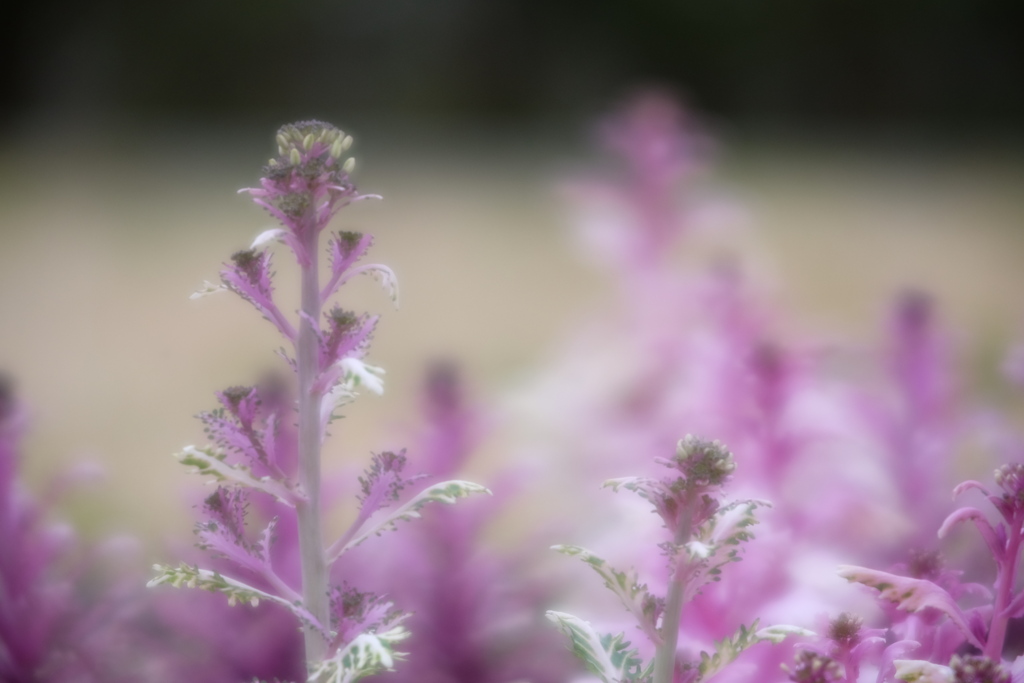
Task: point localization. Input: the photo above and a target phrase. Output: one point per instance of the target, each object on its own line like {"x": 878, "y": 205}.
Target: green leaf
{"x": 608, "y": 656}
{"x": 921, "y": 671}
{"x": 716, "y": 543}
{"x": 779, "y": 632}
{"x": 647, "y": 488}
{"x": 633, "y": 594}
{"x": 210, "y": 462}
{"x": 728, "y": 649}
{"x": 190, "y": 576}
{"x": 446, "y": 492}
{"x": 366, "y": 655}
{"x": 729, "y": 527}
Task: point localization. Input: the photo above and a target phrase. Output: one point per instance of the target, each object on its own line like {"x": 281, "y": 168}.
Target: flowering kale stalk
{"x": 934, "y": 597}
{"x": 706, "y": 535}
{"x": 347, "y": 634}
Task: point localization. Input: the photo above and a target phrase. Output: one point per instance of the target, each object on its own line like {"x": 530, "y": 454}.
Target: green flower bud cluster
{"x": 704, "y": 463}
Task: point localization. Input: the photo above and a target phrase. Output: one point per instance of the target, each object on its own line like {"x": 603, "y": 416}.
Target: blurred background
{"x": 870, "y": 146}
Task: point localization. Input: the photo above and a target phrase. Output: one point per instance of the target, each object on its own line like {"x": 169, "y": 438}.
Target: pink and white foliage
{"x": 850, "y": 448}
{"x": 476, "y": 609}
{"x": 256, "y": 454}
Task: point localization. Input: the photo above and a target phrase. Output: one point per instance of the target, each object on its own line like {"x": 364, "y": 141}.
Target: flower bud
{"x": 704, "y": 463}
{"x": 337, "y": 148}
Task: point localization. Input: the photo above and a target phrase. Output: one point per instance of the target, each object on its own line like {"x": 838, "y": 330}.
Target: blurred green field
{"x": 103, "y": 244}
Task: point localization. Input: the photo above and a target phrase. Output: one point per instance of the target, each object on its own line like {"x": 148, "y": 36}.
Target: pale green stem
{"x": 311, "y": 544}
{"x": 665, "y": 655}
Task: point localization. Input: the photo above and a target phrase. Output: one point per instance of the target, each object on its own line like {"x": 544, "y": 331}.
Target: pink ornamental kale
{"x": 59, "y": 621}
{"x": 915, "y": 418}
{"x": 705, "y": 534}
{"x": 476, "y": 612}
{"x": 936, "y": 600}
{"x": 261, "y": 462}
{"x": 68, "y": 616}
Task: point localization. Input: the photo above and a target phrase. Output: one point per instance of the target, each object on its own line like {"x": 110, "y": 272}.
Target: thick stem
{"x": 311, "y": 544}
{"x": 1004, "y": 592}
{"x": 665, "y": 655}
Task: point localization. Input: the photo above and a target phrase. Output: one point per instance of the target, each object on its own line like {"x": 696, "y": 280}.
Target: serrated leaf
{"x": 190, "y": 576}
{"x": 608, "y": 656}
{"x": 387, "y": 280}
{"x": 727, "y": 650}
{"x": 207, "y": 289}
{"x": 730, "y": 524}
{"x": 779, "y": 632}
{"x": 366, "y": 655}
{"x": 715, "y": 544}
{"x": 647, "y": 488}
{"x": 212, "y": 463}
{"x": 633, "y": 594}
{"x": 446, "y": 492}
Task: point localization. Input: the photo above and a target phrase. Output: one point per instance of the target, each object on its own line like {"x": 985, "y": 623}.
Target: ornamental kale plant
{"x": 951, "y": 642}
{"x": 266, "y": 449}
{"x": 54, "y": 626}
{"x": 72, "y": 611}
{"x": 852, "y": 446}
{"x": 705, "y": 533}
{"x": 477, "y": 610}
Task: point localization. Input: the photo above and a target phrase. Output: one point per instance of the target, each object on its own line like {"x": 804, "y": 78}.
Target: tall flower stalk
{"x": 706, "y": 534}
{"x": 347, "y": 634}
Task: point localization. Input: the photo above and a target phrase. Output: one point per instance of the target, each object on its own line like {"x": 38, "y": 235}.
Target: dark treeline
{"x": 952, "y": 64}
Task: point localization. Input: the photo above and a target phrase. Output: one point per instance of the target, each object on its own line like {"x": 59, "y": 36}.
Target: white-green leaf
{"x": 633, "y": 594}
{"x": 718, "y": 542}
{"x": 207, "y": 289}
{"x": 387, "y": 279}
{"x": 645, "y": 487}
{"x": 920, "y": 671}
{"x": 267, "y": 236}
{"x": 779, "y": 632}
{"x": 730, "y": 523}
{"x": 728, "y": 649}
{"x": 366, "y": 655}
{"x": 608, "y": 656}
{"x": 446, "y": 492}
{"x": 190, "y": 576}
{"x": 210, "y": 462}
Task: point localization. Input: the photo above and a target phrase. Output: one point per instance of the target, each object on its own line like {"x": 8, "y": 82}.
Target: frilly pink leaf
{"x": 970, "y": 484}
{"x": 980, "y": 521}
{"x": 912, "y": 595}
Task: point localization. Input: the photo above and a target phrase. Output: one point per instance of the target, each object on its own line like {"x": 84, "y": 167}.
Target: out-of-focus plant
{"x": 932, "y": 597}
{"x": 256, "y": 456}
{"x": 77, "y": 612}
{"x": 851, "y": 447}
{"x": 58, "y": 621}
{"x": 477, "y": 610}
{"x": 706, "y": 534}
{"x": 853, "y": 462}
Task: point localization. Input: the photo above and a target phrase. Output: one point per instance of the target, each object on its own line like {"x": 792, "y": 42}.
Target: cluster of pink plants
{"x": 803, "y": 535}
